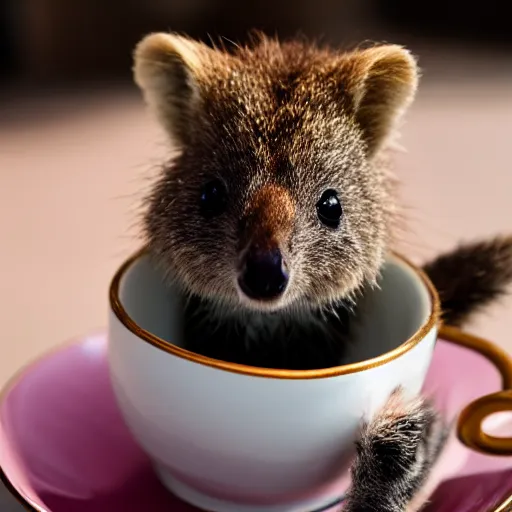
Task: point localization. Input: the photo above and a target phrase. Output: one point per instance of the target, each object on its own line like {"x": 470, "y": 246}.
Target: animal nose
{"x": 263, "y": 275}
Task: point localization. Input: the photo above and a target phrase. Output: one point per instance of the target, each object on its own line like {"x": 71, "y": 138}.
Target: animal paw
{"x": 395, "y": 454}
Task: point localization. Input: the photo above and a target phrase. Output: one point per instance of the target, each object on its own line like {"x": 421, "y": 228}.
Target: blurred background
{"x": 77, "y": 147}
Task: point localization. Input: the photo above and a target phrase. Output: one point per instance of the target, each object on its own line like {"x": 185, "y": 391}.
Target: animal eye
{"x": 328, "y": 209}
{"x": 213, "y": 199}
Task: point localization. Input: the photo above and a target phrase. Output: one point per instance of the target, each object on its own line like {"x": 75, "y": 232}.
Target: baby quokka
{"x": 276, "y": 210}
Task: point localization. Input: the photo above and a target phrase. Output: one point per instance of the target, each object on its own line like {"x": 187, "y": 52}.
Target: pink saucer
{"x": 64, "y": 446}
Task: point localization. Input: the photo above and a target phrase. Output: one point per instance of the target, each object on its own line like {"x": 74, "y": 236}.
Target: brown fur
{"x": 471, "y": 277}
{"x": 288, "y": 116}
{"x": 270, "y": 216}
{"x": 396, "y": 452}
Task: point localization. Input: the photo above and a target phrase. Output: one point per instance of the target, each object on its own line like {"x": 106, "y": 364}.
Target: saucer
{"x": 64, "y": 446}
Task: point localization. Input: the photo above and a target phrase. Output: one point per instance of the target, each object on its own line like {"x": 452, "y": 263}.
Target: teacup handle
{"x": 469, "y": 426}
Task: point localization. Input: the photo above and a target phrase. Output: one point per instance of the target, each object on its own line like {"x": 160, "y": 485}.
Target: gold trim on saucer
{"x": 506, "y": 506}
{"x": 469, "y": 426}
{"x": 146, "y": 336}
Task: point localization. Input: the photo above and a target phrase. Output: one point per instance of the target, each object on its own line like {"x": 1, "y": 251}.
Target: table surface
{"x": 8, "y": 503}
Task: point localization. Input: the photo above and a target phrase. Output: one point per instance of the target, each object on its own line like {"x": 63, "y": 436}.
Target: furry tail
{"x": 471, "y": 277}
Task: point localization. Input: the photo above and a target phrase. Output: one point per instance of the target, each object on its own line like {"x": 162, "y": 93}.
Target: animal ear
{"x": 166, "y": 67}
{"x": 382, "y": 83}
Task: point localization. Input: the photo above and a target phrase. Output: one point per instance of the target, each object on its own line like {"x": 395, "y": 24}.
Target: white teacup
{"x": 227, "y": 437}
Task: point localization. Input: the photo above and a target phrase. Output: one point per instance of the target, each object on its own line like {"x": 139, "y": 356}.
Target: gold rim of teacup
{"x": 146, "y": 336}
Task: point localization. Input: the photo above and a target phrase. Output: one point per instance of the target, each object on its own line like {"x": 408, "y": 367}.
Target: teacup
{"x": 228, "y": 437}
